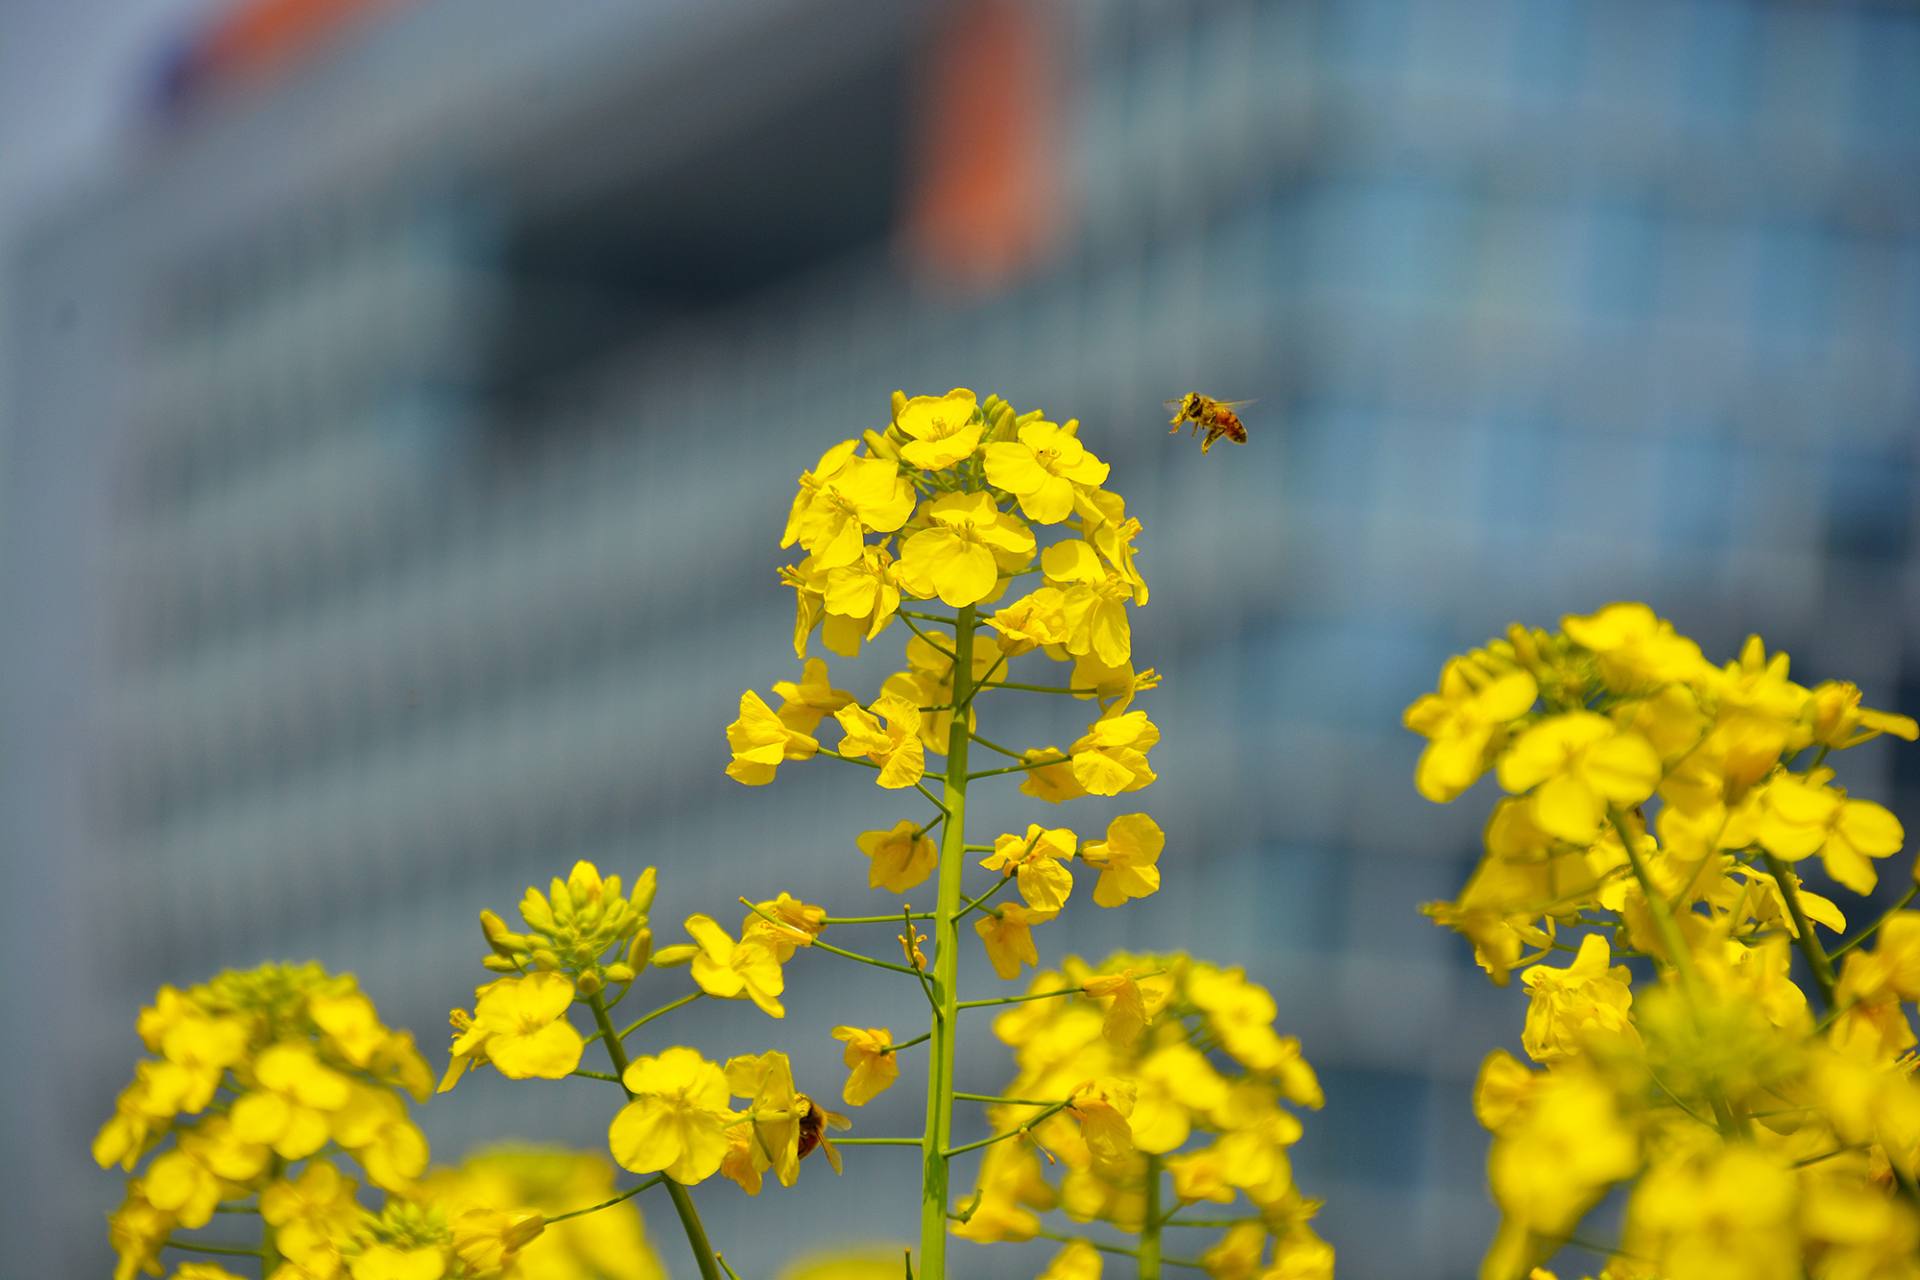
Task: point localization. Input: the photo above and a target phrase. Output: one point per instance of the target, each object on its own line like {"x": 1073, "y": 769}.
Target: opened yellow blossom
{"x": 841, "y": 500}
{"x": 761, "y": 741}
{"x": 1463, "y": 722}
{"x": 895, "y": 745}
{"x": 1035, "y": 619}
{"x": 1634, "y": 647}
{"x": 489, "y": 1240}
{"x": 940, "y": 430}
{"x": 1794, "y": 817}
{"x": 1038, "y": 861}
{"x": 1126, "y": 859}
{"x": 746, "y": 970}
{"x": 678, "y": 1119}
{"x": 288, "y": 1108}
{"x": 1574, "y": 1007}
{"x": 1111, "y": 757}
{"x": 1580, "y": 763}
{"x": 871, "y": 1064}
{"x": 900, "y": 858}
{"x": 967, "y": 544}
{"x": 1043, "y": 469}
{"x": 1007, "y": 932}
{"x": 806, "y": 702}
{"x": 519, "y": 1025}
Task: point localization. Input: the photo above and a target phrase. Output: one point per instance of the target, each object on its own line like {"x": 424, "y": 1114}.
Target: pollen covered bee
{"x": 1217, "y": 416}
{"x": 814, "y": 1122}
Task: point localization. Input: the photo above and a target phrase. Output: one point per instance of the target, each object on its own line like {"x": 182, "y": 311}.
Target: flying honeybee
{"x": 1217, "y": 416}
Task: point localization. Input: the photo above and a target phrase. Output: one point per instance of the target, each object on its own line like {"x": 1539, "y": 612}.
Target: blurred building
{"x": 398, "y": 450}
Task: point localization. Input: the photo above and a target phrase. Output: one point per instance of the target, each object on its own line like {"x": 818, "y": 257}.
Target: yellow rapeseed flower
{"x": 736, "y": 970}
{"x": 1580, "y": 762}
{"x": 1111, "y": 757}
{"x": 967, "y": 544}
{"x": 894, "y": 746}
{"x": 806, "y": 702}
{"x": 901, "y": 857}
{"x": 1126, "y": 859}
{"x": 761, "y": 741}
{"x": 1043, "y": 469}
{"x": 288, "y": 1107}
{"x": 678, "y": 1119}
{"x": 1038, "y": 860}
{"x": 1464, "y": 723}
{"x": 519, "y": 1025}
{"x": 1007, "y": 931}
{"x": 940, "y": 430}
{"x": 871, "y": 1063}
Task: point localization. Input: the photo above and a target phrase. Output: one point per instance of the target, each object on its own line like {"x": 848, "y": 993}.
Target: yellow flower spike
{"x": 895, "y": 747}
{"x": 1126, "y": 859}
{"x": 1007, "y": 932}
{"x": 871, "y": 1063}
{"x": 965, "y": 549}
{"x": 940, "y": 430}
{"x": 811, "y": 699}
{"x": 288, "y": 1108}
{"x": 736, "y": 970}
{"x": 390, "y": 1262}
{"x": 1111, "y": 757}
{"x": 1464, "y": 723}
{"x": 1038, "y": 861}
{"x": 761, "y": 742}
{"x": 1580, "y": 763}
{"x": 1575, "y": 1007}
{"x": 488, "y": 1241}
{"x": 1042, "y": 469}
{"x": 678, "y": 1119}
{"x": 520, "y": 1025}
{"x": 901, "y": 857}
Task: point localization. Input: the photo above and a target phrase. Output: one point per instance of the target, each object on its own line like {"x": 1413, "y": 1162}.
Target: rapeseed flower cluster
{"x": 1643, "y": 876}
{"x": 1151, "y": 1085}
{"x": 1178, "y": 1097}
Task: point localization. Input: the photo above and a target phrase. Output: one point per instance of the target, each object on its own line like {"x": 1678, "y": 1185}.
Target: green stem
{"x": 1127, "y": 1251}
{"x": 1875, "y": 927}
{"x": 830, "y": 949}
{"x": 1150, "y": 1224}
{"x": 731, "y": 1273}
{"x": 593, "y": 1075}
{"x": 895, "y": 918}
{"x": 1041, "y": 688}
{"x": 624, "y": 1196}
{"x": 1034, "y": 995}
{"x": 1678, "y": 957}
{"x": 664, "y": 1009}
{"x": 994, "y": 746}
{"x": 682, "y": 1202}
{"x": 946, "y": 968}
{"x": 224, "y": 1251}
{"x": 1809, "y": 945}
{"x": 1019, "y": 768}
{"x": 1025, "y": 1127}
{"x": 972, "y": 904}
{"x": 922, "y": 1038}
{"x": 1011, "y": 1102}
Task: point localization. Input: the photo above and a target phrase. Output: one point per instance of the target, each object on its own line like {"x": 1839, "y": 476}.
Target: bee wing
{"x": 1235, "y": 404}
{"x": 1174, "y": 403}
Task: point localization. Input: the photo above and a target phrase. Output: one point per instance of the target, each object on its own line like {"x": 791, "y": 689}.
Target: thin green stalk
{"x": 946, "y": 968}
{"x": 878, "y": 1142}
{"x": 1019, "y": 768}
{"x": 269, "y": 1239}
{"x": 663, "y": 1010}
{"x": 1041, "y": 688}
{"x": 1875, "y": 927}
{"x": 830, "y": 949}
{"x": 593, "y": 1075}
{"x": 1008, "y": 752}
{"x": 973, "y": 904}
{"x": 1126, "y": 1251}
{"x": 1678, "y": 957}
{"x": 682, "y": 1202}
{"x": 731, "y": 1273}
{"x": 895, "y": 918}
{"x": 922, "y": 1038}
{"x": 219, "y": 1250}
{"x": 1032, "y": 995}
{"x": 1809, "y": 945}
{"x": 1150, "y": 1224}
{"x": 1026, "y": 1126}
{"x": 626, "y": 1195}
{"x": 1011, "y": 1102}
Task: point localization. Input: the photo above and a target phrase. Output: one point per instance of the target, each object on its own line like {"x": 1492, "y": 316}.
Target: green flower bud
{"x": 589, "y": 983}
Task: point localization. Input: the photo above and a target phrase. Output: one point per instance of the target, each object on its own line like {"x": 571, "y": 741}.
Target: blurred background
{"x": 401, "y": 402}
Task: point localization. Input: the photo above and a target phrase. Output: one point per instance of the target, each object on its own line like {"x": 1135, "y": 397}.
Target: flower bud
{"x": 589, "y": 983}
{"x": 619, "y": 971}
{"x": 545, "y": 959}
{"x": 899, "y": 403}
{"x": 643, "y": 891}
{"x": 504, "y": 941}
{"x": 673, "y": 957}
{"x": 640, "y": 950}
{"x": 879, "y": 446}
{"x": 499, "y": 964}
